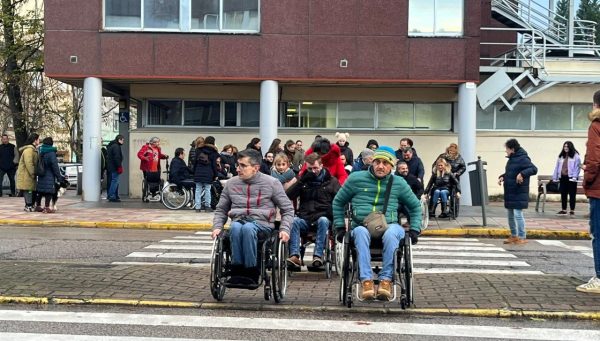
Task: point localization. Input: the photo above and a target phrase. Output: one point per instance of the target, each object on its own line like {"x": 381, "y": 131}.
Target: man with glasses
{"x": 251, "y": 199}
{"x": 316, "y": 189}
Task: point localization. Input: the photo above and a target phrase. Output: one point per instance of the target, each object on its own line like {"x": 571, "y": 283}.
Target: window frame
{"x": 434, "y": 33}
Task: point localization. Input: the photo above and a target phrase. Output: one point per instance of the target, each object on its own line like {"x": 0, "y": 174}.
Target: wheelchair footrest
{"x": 315, "y": 268}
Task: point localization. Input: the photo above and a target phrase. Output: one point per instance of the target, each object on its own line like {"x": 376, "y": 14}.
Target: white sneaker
{"x": 593, "y": 286}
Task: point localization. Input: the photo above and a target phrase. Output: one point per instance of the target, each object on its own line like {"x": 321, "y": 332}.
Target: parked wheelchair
{"x": 177, "y": 196}
{"x": 271, "y": 260}
{"x": 453, "y": 204}
{"x": 402, "y": 281}
{"x": 152, "y": 185}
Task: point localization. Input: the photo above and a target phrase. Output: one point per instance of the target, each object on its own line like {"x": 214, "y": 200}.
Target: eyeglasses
{"x": 242, "y": 166}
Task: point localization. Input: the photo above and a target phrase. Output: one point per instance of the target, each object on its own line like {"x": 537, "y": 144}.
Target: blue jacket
{"x": 516, "y": 196}
{"x": 52, "y": 175}
{"x": 206, "y": 173}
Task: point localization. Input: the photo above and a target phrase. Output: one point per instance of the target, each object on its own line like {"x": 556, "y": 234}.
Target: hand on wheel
{"x": 284, "y": 236}
{"x": 414, "y": 236}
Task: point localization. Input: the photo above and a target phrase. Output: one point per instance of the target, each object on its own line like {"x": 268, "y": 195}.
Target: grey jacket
{"x": 255, "y": 200}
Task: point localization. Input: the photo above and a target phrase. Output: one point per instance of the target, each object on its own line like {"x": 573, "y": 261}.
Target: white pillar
{"x": 269, "y": 103}
{"x": 467, "y": 134}
{"x": 571, "y": 28}
{"x": 92, "y": 116}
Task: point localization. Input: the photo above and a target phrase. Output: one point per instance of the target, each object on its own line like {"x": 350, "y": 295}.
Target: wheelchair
{"x": 271, "y": 260}
{"x": 453, "y": 203}
{"x": 424, "y": 213}
{"x": 175, "y": 196}
{"x": 329, "y": 256}
{"x": 402, "y": 275}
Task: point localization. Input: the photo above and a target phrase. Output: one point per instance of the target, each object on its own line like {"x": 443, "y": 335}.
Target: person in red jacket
{"x": 150, "y": 156}
{"x": 330, "y": 156}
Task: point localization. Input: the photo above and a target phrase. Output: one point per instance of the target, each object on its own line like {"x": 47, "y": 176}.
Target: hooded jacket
{"x": 26, "y": 170}
{"x": 52, "y": 175}
{"x": 316, "y": 195}
{"x": 516, "y": 196}
{"x": 591, "y": 180}
{"x": 206, "y": 173}
{"x": 332, "y": 162}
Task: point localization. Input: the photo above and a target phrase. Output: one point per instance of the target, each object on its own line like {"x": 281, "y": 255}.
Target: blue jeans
{"x": 243, "y": 238}
{"x": 391, "y": 241}
{"x": 113, "y": 188}
{"x": 516, "y": 222}
{"x": 300, "y": 227}
{"x": 199, "y": 188}
{"x": 440, "y": 193}
{"x": 595, "y": 232}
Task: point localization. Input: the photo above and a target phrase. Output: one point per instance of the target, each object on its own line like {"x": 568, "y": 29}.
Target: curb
{"x": 501, "y": 313}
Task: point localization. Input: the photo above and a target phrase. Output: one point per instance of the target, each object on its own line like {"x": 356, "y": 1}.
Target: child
{"x": 282, "y": 171}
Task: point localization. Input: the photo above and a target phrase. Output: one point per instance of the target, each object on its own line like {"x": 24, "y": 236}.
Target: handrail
{"x": 529, "y": 52}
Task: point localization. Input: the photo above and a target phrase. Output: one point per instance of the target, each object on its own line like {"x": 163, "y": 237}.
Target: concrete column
{"x": 269, "y": 103}
{"x": 467, "y": 134}
{"x": 92, "y": 137}
{"x": 125, "y": 106}
{"x": 571, "y": 27}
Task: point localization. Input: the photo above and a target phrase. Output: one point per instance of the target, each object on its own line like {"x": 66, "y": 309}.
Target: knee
{"x": 323, "y": 221}
{"x": 248, "y": 229}
{"x": 360, "y": 233}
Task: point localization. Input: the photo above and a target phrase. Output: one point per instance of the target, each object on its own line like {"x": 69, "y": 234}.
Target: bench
{"x": 543, "y": 180}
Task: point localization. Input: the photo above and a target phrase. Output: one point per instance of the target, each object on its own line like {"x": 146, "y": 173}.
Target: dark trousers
{"x": 11, "y": 179}
{"x": 567, "y": 188}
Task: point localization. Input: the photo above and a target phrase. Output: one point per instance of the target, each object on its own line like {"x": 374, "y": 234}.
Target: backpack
{"x": 40, "y": 167}
{"x": 202, "y": 158}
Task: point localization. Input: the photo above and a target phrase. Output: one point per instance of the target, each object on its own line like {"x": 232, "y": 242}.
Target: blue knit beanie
{"x": 385, "y": 153}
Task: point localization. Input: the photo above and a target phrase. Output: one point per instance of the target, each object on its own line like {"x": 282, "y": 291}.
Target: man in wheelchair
{"x": 366, "y": 192}
{"x": 316, "y": 189}
{"x": 179, "y": 173}
{"x": 250, "y": 200}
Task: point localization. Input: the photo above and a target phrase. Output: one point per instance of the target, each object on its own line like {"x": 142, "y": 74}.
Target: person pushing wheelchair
{"x": 375, "y": 194}
{"x": 250, "y": 199}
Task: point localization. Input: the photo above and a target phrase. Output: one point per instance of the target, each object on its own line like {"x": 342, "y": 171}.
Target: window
{"x": 202, "y": 113}
{"x": 317, "y": 115}
{"x": 580, "y": 116}
{"x": 237, "y": 16}
{"x": 249, "y": 114}
{"x": 548, "y": 117}
{"x": 356, "y": 115}
{"x": 433, "y": 116}
{"x": 552, "y": 117}
{"x": 289, "y": 114}
{"x": 162, "y": 112}
{"x": 435, "y": 17}
{"x": 396, "y": 115}
{"x": 485, "y": 118}
{"x": 518, "y": 119}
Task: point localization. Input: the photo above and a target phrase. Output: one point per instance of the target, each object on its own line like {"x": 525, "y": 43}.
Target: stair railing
{"x": 529, "y": 52}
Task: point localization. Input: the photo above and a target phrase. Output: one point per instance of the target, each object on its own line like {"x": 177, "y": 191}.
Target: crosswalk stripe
{"x": 464, "y": 254}
{"x": 204, "y": 233}
{"x": 187, "y": 241}
{"x": 169, "y": 255}
{"x": 583, "y": 249}
{"x": 478, "y": 271}
{"x": 450, "y": 239}
{"x": 482, "y": 262}
{"x": 69, "y": 337}
{"x": 191, "y": 265}
{"x": 448, "y": 243}
{"x": 457, "y": 248}
{"x": 179, "y": 247}
{"x": 191, "y": 237}
{"x": 306, "y": 325}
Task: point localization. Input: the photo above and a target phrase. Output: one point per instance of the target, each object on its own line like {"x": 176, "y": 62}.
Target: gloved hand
{"x": 339, "y": 235}
{"x": 414, "y": 236}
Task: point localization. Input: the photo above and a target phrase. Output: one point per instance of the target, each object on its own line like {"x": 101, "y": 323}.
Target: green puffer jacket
{"x": 366, "y": 193}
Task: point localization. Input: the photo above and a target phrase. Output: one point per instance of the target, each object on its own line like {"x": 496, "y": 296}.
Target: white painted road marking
{"x": 179, "y": 247}
{"x": 475, "y": 271}
{"x": 457, "y": 248}
{"x": 464, "y": 254}
{"x": 328, "y": 326}
{"x": 67, "y": 337}
{"x": 187, "y": 241}
{"x": 482, "y": 262}
{"x": 168, "y": 255}
{"x": 583, "y": 249}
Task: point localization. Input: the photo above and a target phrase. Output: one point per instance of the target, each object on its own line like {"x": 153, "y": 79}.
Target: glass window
{"x": 553, "y": 117}
{"x": 485, "y": 118}
{"x": 356, "y": 114}
{"x": 289, "y": 114}
{"x": 435, "y": 17}
{"x": 518, "y": 119}
{"x": 162, "y": 112}
{"x": 433, "y": 116}
{"x": 123, "y": 13}
{"x": 201, "y": 113}
{"x": 580, "y": 116}
{"x": 395, "y": 115}
{"x": 231, "y": 114}
{"x": 250, "y": 114}
{"x": 161, "y": 14}
{"x": 240, "y": 15}
{"x": 317, "y": 115}
{"x": 205, "y": 14}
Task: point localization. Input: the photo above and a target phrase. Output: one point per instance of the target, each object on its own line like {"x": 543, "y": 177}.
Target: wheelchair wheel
{"x": 339, "y": 258}
{"x": 455, "y": 207}
{"x": 217, "y": 270}
{"x": 347, "y": 273}
{"x": 174, "y": 197}
{"x": 424, "y": 214}
{"x": 279, "y": 272}
{"x": 145, "y": 191}
{"x": 327, "y": 257}
{"x": 407, "y": 298}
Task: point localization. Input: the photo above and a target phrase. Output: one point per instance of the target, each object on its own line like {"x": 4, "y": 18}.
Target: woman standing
{"x": 26, "y": 170}
{"x": 46, "y": 182}
{"x": 275, "y": 147}
{"x": 567, "y": 170}
{"x": 452, "y": 156}
{"x": 516, "y": 189}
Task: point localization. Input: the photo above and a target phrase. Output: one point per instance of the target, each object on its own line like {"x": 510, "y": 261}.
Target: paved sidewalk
{"x": 468, "y": 294}
{"x": 133, "y": 213}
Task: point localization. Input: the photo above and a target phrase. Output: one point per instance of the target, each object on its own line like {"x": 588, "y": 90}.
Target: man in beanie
{"x": 366, "y": 190}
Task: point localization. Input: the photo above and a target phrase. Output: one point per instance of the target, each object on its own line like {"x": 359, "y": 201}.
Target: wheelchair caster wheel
{"x": 267, "y": 292}
{"x": 403, "y": 303}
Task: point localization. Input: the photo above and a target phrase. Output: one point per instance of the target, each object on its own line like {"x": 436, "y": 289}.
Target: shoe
{"x": 38, "y": 209}
{"x": 572, "y": 213}
{"x": 208, "y": 210}
{"x": 317, "y": 262}
{"x": 48, "y": 210}
{"x": 28, "y": 209}
{"x": 114, "y": 200}
{"x": 592, "y": 286}
{"x": 198, "y": 210}
{"x": 511, "y": 240}
{"x": 293, "y": 263}
{"x": 562, "y": 212}
{"x": 384, "y": 291}
{"x": 368, "y": 292}
{"x": 443, "y": 215}
{"x": 520, "y": 241}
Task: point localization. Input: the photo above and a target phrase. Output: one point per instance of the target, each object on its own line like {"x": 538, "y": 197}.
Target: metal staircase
{"x": 541, "y": 35}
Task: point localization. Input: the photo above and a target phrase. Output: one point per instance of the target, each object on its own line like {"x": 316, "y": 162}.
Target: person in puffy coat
{"x": 567, "y": 171}
{"x": 46, "y": 183}
{"x": 330, "y": 155}
{"x": 452, "y": 156}
{"x": 342, "y": 142}
{"x": 26, "y": 180}
{"x": 515, "y": 180}
{"x": 205, "y": 172}
{"x": 441, "y": 182}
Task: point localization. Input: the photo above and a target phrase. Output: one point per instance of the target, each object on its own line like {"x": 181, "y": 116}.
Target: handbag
{"x": 375, "y": 221}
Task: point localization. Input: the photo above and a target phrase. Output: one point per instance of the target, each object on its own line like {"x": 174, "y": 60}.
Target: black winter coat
{"x": 345, "y": 150}
{"x": 415, "y": 167}
{"x": 458, "y": 165}
{"x": 415, "y": 185}
{"x": 206, "y": 174}
{"x": 114, "y": 157}
{"x": 7, "y": 157}
{"x": 228, "y": 159}
{"x": 448, "y": 180}
{"x": 179, "y": 171}
{"x": 52, "y": 175}
{"x": 316, "y": 195}
{"x": 516, "y": 196}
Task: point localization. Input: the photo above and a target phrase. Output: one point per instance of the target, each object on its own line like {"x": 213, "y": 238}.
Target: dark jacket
{"x": 46, "y": 183}
{"x": 345, "y": 150}
{"x": 591, "y": 178}
{"x": 316, "y": 195}
{"x": 447, "y": 180}
{"x": 206, "y": 173}
{"x": 265, "y": 167}
{"x": 400, "y": 154}
{"x": 114, "y": 157}
{"x": 9, "y": 157}
{"x": 230, "y": 160}
{"x": 415, "y": 185}
{"x": 179, "y": 171}
{"x": 415, "y": 167}
{"x": 516, "y": 196}
{"x": 457, "y": 164}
